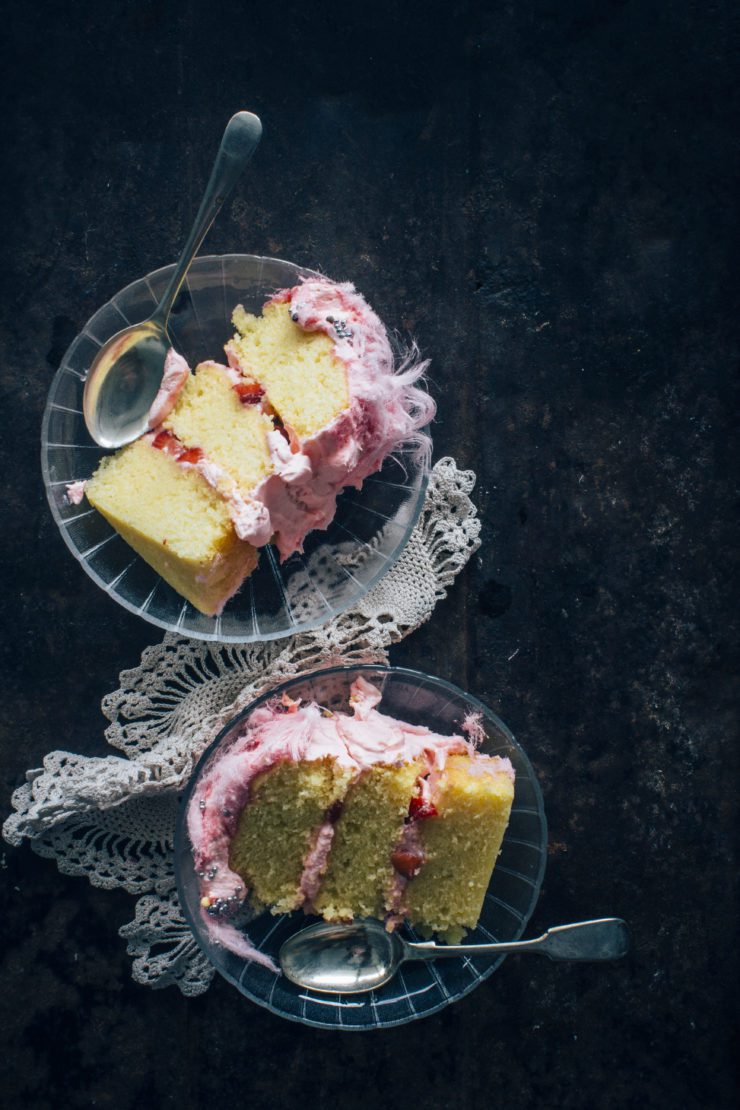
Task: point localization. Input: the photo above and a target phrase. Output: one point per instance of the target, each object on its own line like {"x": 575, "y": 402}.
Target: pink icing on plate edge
{"x": 75, "y": 491}
{"x": 278, "y": 731}
{"x": 227, "y": 935}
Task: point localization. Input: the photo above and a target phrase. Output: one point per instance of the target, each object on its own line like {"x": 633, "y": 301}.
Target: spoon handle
{"x": 240, "y": 140}
{"x": 604, "y": 939}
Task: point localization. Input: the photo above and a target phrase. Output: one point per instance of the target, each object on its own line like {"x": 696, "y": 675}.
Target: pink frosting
{"x": 315, "y": 863}
{"x": 176, "y": 373}
{"x": 249, "y": 516}
{"x": 385, "y": 409}
{"x": 281, "y": 731}
{"x": 226, "y": 934}
{"x": 409, "y": 841}
{"x": 473, "y": 728}
{"x": 75, "y": 492}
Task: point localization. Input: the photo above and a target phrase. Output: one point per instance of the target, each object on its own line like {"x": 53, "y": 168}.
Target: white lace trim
{"x": 113, "y": 818}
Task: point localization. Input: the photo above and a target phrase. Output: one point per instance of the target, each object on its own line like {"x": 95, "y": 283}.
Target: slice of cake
{"x": 460, "y": 837}
{"x": 349, "y": 816}
{"x": 310, "y": 403}
{"x": 325, "y": 363}
{"x": 276, "y": 351}
{"x": 172, "y": 517}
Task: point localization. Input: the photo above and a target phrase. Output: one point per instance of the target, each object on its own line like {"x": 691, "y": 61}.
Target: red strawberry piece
{"x": 407, "y": 863}
{"x": 190, "y": 455}
{"x": 419, "y": 810}
{"x": 249, "y": 393}
{"x": 164, "y": 441}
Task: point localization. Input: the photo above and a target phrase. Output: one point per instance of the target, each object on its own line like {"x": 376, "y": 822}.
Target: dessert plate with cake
{"x": 283, "y": 466}
{"x": 360, "y": 793}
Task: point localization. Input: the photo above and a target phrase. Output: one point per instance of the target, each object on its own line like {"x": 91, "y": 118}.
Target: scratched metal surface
{"x": 542, "y": 194}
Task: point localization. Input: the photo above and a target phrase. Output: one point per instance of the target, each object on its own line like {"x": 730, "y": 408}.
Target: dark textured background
{"x": 543, "y": 193}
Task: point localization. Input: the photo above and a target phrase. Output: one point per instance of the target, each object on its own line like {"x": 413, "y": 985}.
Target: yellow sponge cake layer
{"x": 360, "y": 872}
{"x": 209, "y": 415}
{"x": 304, "y": 381}
{"x": 175, "y": 521}
{"x": 287, "y": 807}
{"x": 460, "y": 847}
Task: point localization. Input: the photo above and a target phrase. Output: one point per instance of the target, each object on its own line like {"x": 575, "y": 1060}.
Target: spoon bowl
{"x": 123, "y": 382}
{"x": 342, "y": 959}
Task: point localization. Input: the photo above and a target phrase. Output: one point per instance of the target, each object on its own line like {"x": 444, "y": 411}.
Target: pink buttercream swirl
{"x": 74, "y": 492}
{"x": 176, "y": 373}
{"x": 316, "y": 863}
{"x": 472, "y": 726}
{"x": 386, "y": 409}
{"x": 283, "y": 731}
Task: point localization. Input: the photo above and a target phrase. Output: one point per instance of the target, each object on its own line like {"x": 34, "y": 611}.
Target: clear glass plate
{"x": 339, "y": 564}
{"x": 419, "y": 988}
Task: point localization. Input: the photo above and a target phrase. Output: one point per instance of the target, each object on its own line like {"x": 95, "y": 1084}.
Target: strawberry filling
{"x": 408, "y": 857}
{"x": 165, "y": 441}
{"x": 249, "y": 393}
{"x": 170, "y": 444}
{"x": 419, "y": 810}
{"x": 407, "y": 863}
{"x": 190, "y": 455}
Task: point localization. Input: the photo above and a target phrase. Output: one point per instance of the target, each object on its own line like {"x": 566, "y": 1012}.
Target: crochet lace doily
{"x": 113, "y": 818}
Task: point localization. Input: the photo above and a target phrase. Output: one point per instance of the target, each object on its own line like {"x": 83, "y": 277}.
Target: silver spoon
{"x": 127, "y": 372}
{"x": 349, "y": 959}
